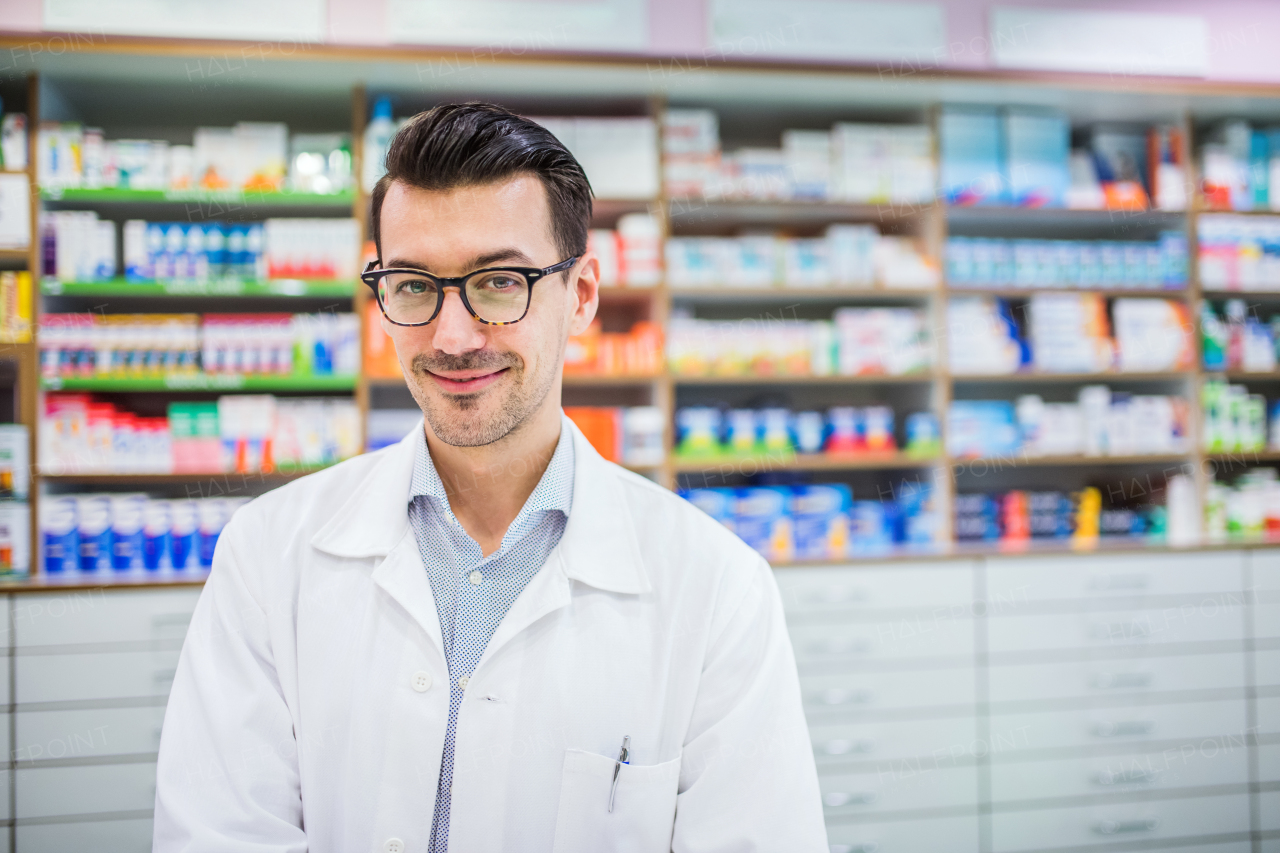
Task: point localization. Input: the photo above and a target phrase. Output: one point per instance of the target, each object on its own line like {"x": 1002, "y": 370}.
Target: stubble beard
{"x": 467, "y": 420}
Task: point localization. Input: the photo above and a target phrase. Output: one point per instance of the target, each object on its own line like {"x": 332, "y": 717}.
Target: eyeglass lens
{"x": 498, "y": 297}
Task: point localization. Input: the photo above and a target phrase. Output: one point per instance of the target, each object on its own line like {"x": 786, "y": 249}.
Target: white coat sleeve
{"x": 747, "y": 779}
{"x": 227, "y": 778}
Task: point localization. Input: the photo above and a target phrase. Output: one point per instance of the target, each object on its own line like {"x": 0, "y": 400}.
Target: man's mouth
{"x": 466, "y": 381}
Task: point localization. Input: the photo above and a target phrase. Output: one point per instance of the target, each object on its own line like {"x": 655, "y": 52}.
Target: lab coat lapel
{"x": 598, "y": 548}
{"x": 374, "y": 522}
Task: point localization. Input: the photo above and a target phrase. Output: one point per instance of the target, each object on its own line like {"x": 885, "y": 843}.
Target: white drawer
{"x": 1266, "y": 668}
{"x": 1266, "y": 621}
{"x": 1269, "y": 762}
{"x": 952, "y": 834}
{"x": 1111, "y": 824}
{"x": 118, "y": 836}
{"x": 1269, "y": 810}
{"x": 896, "y": 639}
{"x": 1115, "y": 629}
{"x": 106, "y": 675}
{"x": 938, "y": 743}
{"x": 1015, "y": 582}
{"x": 1268, "y": 714}
{"x": 102, "y": 616}
{"x": 853, "y": 794}
{"x": 1222, "y": 720}
{"x": 1111, "y": 676}
{"x": 876, "y": 691}
{"x": 48, "y": 791}
{"x": 841, "y": 590}
{"x": 1188, "y": 766}
{"x": 87, "y": 732}
{"x": 1264, "y": 567}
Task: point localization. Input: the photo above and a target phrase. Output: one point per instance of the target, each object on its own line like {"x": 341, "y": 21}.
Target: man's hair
{"x": 452, "y": 146}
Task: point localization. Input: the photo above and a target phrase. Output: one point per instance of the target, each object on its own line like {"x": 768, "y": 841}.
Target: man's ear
{"x": 585, "y": 283}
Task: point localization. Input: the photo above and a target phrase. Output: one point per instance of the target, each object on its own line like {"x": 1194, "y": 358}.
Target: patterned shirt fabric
{"x": 473, "y": 593}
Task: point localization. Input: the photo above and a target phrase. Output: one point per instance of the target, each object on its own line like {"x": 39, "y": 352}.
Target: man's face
{"x": 477, "y": 383}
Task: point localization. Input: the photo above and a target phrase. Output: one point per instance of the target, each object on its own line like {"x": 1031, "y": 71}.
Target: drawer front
{"x": 1014, "y": 582}
{"x": 1266, "y": 668}
{"x": 889, "y": 639}
{"x": 102, "y": 616}
{"x": 877, "y": 691}
{"x": 952, "y": 834}
{"x": 840, "y": 590}
{"x": 1269, "y": 763}
{"x": 118, "y": 836}
{"x": 937, "y": 743}
{"x": 49, "y": 791}
{"x": 109, "y": 675}
{"x": 854, "y": 794}
{"x": 87, "y": 733}
{"x": 1111, "y": 677}
{"x": 1268, "y": 714}
{"x": 1190, "y": 766}
{"x": 1266, "y": 620}
{"x": 1195, "y": 722}
{"x": 1111, "y": 824}
{"x": 1269, "y": 810}
{"x": 1264, "y": 567}
{"x": 1115, "y": 629}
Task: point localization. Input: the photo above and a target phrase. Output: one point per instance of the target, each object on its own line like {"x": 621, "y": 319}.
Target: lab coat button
{"x": 463, "y": 681}
{"x": 476, "y": 578}
{"x": 422, "y": 681}
{"x": 393, "y": 845}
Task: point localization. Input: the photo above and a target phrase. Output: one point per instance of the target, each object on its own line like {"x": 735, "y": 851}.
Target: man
{"x": 486, "y": 638}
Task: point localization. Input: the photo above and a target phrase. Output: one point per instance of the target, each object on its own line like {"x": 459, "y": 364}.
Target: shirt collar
{"x": 553, "y": 492}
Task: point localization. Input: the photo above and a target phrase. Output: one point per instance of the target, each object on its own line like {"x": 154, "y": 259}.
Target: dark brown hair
{"x": 460, "y": 145}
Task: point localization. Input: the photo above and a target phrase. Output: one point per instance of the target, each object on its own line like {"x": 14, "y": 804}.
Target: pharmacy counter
{"x": 1108, "y": 701}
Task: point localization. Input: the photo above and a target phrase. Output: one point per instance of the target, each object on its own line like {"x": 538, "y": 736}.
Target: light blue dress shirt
{"x": 473, "y": 592}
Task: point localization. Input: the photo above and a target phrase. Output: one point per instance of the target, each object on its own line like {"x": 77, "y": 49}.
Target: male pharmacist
{"x": 485, "y": 638}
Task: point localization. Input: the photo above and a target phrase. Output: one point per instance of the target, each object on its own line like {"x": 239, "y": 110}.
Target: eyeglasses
{"x": 496, "y": 296}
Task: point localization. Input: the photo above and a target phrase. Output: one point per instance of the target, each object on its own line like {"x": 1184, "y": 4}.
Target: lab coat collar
{"x": 599, "y": 546}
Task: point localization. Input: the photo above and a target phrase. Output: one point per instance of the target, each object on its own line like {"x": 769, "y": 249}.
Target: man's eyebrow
{"x": 488, "y": 259}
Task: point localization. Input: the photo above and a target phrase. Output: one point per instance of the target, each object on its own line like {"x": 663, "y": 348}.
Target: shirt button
{"x": 463, "y": 681}
{"x": 476, "y": 578}
{"x": 421, "y": 681}
{"x": 393, "y": 845}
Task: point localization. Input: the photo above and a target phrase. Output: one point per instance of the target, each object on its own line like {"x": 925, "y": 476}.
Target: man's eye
{"x": 414, "y": 287}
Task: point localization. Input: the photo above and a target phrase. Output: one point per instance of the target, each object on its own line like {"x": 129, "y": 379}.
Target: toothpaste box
{"x": 126, "y": 531}
{"x": 762, "y": 519}
{"x": 61, "y": 535}
{"x": 820, "y": 518}
{"x": 93, "y": 514}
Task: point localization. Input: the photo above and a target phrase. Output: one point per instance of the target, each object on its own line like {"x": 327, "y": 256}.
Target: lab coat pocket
{"x": 644, "y": 806}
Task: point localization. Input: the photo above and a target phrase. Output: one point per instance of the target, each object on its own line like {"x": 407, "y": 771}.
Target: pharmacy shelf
{"x": 586, "y": 380}
{"x": 719, "y": 212}
{"x": 1023, "y": 460}
{"x": 1043, "y": 217}
{"x": 1244, "y": 456}
{"x": 1100, "y": 376}
{"x": 1244, "y": 375}
{"x": 279, "y": 287}
{"x": 1109, "y": 292}
{"x": 1240, "y": 294}
{"x": 1201, "y": 210}
{"x": 869, "y": 379}
{"x": 238, "y": 480}
{"x": 12, "y": 255}
{"x": 788, "y": 461}
{"x": 237, "y": 197}
{"x": 200, "y": 382}
{"x": 790, "y": 294}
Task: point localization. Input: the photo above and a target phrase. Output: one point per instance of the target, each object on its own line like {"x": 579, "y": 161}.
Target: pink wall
{"x": 1243, "y": 34}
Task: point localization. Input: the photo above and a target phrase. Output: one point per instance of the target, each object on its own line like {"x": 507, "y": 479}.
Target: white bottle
{"x": 377, "y": 139}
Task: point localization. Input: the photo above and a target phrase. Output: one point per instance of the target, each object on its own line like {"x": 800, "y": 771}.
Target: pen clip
{"x": 624, "y": 757}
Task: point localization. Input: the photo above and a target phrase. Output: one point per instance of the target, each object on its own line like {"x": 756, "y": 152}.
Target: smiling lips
{"x": 466, "y": 382}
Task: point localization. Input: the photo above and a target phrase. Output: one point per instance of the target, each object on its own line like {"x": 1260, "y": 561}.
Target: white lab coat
{"x": 309, "y": 708}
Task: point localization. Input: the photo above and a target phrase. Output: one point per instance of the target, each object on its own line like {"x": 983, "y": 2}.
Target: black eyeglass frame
{"x": 371, "y": 276}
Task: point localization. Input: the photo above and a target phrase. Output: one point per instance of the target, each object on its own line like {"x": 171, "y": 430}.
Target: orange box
{"x": 601, "y": 426}
{"x": 380, "y": 359}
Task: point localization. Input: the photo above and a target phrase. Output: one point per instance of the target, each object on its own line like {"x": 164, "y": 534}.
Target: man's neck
{"x": 487, "y": 486}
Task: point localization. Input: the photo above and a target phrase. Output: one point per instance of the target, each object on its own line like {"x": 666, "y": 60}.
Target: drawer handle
{"x": 1130, "y": 581}
{"x": 836, "y": 799}
{"x": 865, "y": 847}
{"x": 1120, "y": 680}
{"x": 164, "y": 676}
{"x": 1123, "y": 728}
{"x": 845, "y": 696}
{"x": 1124, "y": 777}
{"x": 1117, "y": 827}
{"x": 1120, "y": 631}
{"x": 170, "y": 620}
{"x": 844, "y": 746}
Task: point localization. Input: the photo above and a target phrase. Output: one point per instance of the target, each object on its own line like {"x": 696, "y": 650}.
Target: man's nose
{"x": 456, "y": 330}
